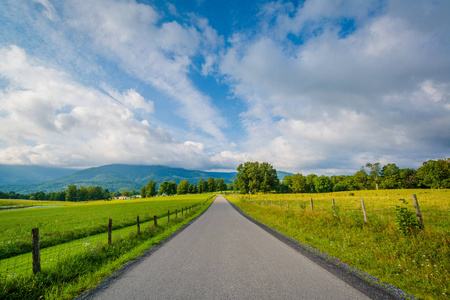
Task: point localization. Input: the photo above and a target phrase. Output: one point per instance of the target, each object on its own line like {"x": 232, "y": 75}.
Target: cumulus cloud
{"x": 332, "y": 101}
{"x": 158, "y": 54}
{"x": 49, "y": 119}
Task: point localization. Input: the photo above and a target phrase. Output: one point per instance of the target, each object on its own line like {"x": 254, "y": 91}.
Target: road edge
{"x": 128, "y": 266}
{"x": 360, "y": 280}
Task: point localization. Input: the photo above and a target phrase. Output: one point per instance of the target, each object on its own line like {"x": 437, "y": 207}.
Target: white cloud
{"x": 161, "y": 55}
{"x": 381, "y": 92}
{"x": 48, "y": 119}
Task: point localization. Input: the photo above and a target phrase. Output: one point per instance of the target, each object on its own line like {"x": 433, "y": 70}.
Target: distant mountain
{"x": 117, "y": 177}
{"x": 22, "y": 174}
{"x": 113, "y": 177}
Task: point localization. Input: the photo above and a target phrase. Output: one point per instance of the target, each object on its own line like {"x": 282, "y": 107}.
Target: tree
{"x": 435, "y": 173}
{"x": 211, "y": 184}
{"x": 221, "y": 185}
{"x": 374, "y": 171}
{"x": 323, "y": 184}
{"x": 269, "y": 178}
{"x": 72, "y": 193}
{"x": 192, "y": 189}
{"x": 150, "y": 190}
{"x": 390, "y": 177}
{"x": 284, "y": 187}
{"x": 361, "y": 179}
{"x": 298, "y": 183}
{"x": 183, "y": 187}
{"x": 168, "y": 188}
{"x": 253, "y": 177}
{"x": 202, "y": 186}
{"x": 310, "y": 183}
{"x": 408, "y": 178}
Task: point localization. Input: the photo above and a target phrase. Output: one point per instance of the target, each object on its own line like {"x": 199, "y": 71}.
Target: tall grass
{"x": 418, "y": 263}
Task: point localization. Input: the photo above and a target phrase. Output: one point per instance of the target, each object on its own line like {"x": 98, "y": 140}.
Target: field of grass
{"x": 86, "y": 261}
{"x": 76, "y": 220}
{"x": 418, "y": 263}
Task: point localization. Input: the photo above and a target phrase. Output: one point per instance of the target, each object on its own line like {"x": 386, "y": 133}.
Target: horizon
{"x": 311, "y": 87}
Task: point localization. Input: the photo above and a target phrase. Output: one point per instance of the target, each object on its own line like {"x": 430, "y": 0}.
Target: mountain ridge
{"x": 117, "y": 177}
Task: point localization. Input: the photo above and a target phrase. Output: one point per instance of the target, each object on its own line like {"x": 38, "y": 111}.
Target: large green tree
{"x": 183, "y": 187}
{"x": 298, "y": 184}
{"x": 435, "y": 173}
{"x": 253, "y": 177}
{"x": 202, "y": 186}
{"x": 168, "y": 188}
{"x": 390, "y": 177}
{"x": 221, "y": 185}
{"x": 212, "y": 187}
{"x": 148, "y": 190}
{"x": 323, "y": 184}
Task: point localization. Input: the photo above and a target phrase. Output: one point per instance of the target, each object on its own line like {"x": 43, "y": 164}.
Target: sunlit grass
{"x": 419, "y": 264}
{"x": 76, "y": 220}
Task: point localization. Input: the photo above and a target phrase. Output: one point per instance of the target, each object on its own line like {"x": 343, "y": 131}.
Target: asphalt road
{"x": 222, "y": 255}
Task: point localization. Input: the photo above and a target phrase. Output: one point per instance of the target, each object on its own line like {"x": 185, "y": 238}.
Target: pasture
{"x": 76, "y": 220}
{"x": 418, "y": 263}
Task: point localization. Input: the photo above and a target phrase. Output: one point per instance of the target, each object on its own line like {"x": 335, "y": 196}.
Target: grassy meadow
{"x": 75, "y": 220}
{"x": 418, "y": 263}
{"x": 71, "y": 264}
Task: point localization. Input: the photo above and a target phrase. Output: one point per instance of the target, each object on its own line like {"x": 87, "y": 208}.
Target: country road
{"x": 222, "y": 255}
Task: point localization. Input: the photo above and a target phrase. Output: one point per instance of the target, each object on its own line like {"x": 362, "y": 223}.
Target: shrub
{"x": 406, "y": 220}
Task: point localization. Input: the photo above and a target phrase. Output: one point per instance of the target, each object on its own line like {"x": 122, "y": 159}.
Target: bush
{"x": 406, "y": 220}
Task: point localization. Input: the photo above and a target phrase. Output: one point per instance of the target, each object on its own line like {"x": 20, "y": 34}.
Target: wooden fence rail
{"x": 36, "y": 255}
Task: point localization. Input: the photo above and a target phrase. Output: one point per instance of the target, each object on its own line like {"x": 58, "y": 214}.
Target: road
{"x": 222, "y": 255}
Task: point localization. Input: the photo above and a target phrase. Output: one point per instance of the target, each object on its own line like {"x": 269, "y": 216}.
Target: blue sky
{"x": 318, "y": 86}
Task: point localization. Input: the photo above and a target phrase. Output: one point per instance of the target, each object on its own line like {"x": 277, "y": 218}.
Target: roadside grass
{"x": 418, "y": 263}
{"x": 77, "y": 220}
{"x": 85, "y": 268}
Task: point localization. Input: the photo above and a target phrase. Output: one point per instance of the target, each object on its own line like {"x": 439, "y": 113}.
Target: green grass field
{"x": 417, "y": 263}
{"x": 78, "y": 264}
{"x": 76, "y": 220}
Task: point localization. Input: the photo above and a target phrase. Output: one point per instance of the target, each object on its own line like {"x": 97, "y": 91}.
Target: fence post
{"x": 280, "y": 203}
{"x": 176, "y": 213}
{"x": 364, "y": 209}
{"x": 155, "y": 221}
{"x": 312, "y": 205}
{"x": 334, "y": 207}
{"x": 138, "y": 225}
{"x": 109, "y": 231}
{"x": 168, "y": 216}
{"x": 287, "y": 205}
{"x": 418, "y": 214}
{"x": 36, "y": 251}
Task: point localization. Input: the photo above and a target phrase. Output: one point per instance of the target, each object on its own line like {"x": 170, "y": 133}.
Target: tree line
{"x": 184, "y": 187}
{"x": 254, "y": 177}
{"x": 72, "y": 194}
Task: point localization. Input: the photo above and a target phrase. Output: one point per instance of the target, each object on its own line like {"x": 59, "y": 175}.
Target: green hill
{"x": 117, "y": 177}
{"x": 113, "y": 177}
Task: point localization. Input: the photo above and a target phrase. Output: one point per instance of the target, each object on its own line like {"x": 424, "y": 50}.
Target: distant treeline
{"x": 184, "y": 187}
{"x": 72, "y": 193}
{"x": 254, "y": 177}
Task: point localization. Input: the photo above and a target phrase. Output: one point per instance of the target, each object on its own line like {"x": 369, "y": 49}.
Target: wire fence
{"x": 23, "y": 264}
{"x": 341, "y": 206}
